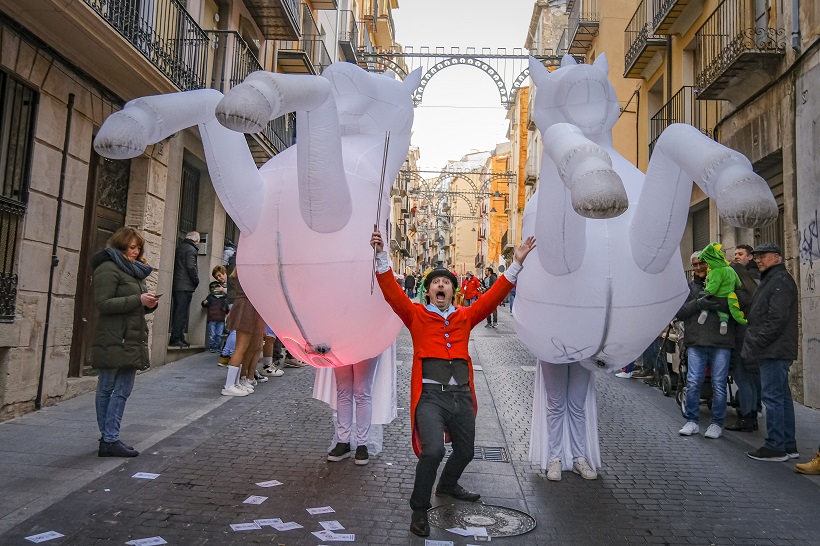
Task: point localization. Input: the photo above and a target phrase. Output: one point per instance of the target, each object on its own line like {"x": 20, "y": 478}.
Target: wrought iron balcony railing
{"x": 684, "y": 107}
{"x": 164, "y": 33}
{"x": 665, "y": 13}
{"x": 583, "y": 24}
{"x": 732, "y": 42}
{"x": 348, "y": 35}
{"x": 640, "y": 44}
{"x": 561, "y": 47}
{"x": 233, "y": 61}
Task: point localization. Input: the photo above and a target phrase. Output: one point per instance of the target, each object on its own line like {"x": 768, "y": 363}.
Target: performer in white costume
{"x": 609, "y": 275}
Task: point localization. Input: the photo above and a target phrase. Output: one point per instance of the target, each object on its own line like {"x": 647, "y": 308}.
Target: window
{"x": 700, "y": 229}
{"x": 189, "y": 200}
{"x": 17, "y": 111}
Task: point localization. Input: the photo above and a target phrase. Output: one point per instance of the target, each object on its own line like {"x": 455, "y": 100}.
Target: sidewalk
{"x": 654, "y": 486}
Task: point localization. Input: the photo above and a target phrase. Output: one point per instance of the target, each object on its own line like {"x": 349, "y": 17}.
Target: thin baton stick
{"x": 379, "y": 206}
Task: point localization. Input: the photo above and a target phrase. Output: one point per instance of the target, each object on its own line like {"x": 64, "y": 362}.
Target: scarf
{"x": 136, "y": 269}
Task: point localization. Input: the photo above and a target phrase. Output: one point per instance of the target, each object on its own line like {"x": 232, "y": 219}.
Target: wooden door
{"x": 105, "y": 208}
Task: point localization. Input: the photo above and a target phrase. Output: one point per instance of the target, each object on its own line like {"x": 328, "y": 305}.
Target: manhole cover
{"x": 498, "y": 520}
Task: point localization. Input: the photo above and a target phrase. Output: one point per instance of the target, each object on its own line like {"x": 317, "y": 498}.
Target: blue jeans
{"x": 698, "y": 358}
{"x": 469, "y": 302}
{"x": 215, "y": 329}
{"x": 512, "y": 299}
{"x": 777, "y": 397}
{"x": 230, "y": 344}
{"x": 113, "y": 389}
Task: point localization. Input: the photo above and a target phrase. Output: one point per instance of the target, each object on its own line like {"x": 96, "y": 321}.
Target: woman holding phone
{"x": 120, "y": 345}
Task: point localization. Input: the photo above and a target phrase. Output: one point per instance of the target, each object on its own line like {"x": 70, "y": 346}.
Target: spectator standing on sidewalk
{"x": 442, "y": 395}
{"x": 249, "y": 330}
{"x": 186, "y": 279}
{"x": 771, "y": 339}
{"x": 745, "y": 372}
{"x": 489, "y": 280}
{"x": 705, "y": 346}
{"x": 744, "y": 256}
{"x": 470, "y": 287}
{"x": 216, "y": 304}
{"x": 120, "y": 346}
{"x": 410, "y": 285}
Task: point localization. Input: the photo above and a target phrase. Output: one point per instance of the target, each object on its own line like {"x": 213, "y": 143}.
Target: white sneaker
{"x": 714, "y": 431}
{"x": 581, "y": 466}
{"x": 272, "y": 371}
{"x": 258, "y": 377}
{"x": 624, "y": 375}
{"x": 689, "y": 429}
{"x": 234, "y": 390}
{"x": 245, "y": 385}
{"x": 554, "y": 471}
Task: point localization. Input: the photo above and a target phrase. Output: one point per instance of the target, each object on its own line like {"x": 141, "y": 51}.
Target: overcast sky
{"x": 461, "y": 109}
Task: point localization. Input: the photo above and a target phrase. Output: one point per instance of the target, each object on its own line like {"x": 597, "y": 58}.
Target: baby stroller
{"x": 667, "y": 360}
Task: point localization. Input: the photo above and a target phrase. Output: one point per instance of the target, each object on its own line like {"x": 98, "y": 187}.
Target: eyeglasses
{"x": 698, "y": 264}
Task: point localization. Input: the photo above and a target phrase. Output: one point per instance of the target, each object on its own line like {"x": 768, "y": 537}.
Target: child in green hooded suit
{"x": 721, "y": 282}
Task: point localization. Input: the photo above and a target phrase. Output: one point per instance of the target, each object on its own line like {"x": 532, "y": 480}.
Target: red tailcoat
{"x": 432, "y": 333}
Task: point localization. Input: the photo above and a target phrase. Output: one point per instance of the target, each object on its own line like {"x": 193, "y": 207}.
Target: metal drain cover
{"x": 498, "y": 520}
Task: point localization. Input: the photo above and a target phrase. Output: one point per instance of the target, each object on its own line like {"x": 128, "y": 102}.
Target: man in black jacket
{"x": 186, "y": 279}
{"x": 771, "y": 339}
{"x": 705, "y": 346}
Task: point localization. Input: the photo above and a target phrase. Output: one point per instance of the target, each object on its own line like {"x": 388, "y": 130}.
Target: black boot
{"x": 419, "y": 525}
{"x": 743, "y": 424}
{"x": 123, "y": 443}
{"x": 116, "y": 449}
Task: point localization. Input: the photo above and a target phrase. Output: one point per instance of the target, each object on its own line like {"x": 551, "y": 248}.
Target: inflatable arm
{"x": 324, "y": 196}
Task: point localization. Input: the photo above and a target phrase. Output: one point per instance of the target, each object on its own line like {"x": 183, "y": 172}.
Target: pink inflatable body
{"x": 305, "y": 217}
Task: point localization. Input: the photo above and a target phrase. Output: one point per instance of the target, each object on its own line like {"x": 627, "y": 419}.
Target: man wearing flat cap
{"x": 442, "y": 394}
{"x": 771, "y": 339}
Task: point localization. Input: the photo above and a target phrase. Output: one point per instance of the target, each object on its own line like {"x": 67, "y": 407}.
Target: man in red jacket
{"x": 470, "y": 287}
{"x": 442, "y": 394}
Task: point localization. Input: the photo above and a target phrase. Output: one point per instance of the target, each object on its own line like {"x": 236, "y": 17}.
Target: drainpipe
{"x": 38, "y": 402}
{"x": 796, "y": 25}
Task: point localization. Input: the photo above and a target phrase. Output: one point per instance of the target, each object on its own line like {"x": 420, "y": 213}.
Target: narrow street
{"x": 655, "y": 487}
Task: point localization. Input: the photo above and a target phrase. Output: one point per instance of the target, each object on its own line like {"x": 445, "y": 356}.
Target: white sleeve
{"x": 512, "y": 272}
{"x": 382, "y": 262}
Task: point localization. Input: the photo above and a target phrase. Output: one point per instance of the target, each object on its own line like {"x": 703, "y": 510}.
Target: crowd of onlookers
{"x": 739, "y": 318}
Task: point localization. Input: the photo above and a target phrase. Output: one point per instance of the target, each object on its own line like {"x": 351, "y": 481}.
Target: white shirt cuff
{"x": 382, "y": 262}
{"x": 512, "y": 272}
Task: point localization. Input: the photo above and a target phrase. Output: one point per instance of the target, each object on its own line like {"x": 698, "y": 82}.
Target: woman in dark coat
{"x": 121, "y": 339}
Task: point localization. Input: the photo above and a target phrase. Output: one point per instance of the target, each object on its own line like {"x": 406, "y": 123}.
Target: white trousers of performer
{"x": 564, "y": 421}
{"x": 355, "y": 382}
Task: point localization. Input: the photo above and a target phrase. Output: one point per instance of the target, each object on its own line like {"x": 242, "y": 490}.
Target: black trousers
{"x": 492, "y": 318}
{"x": 436, "y": 411}
{"x": 180, "y": 309}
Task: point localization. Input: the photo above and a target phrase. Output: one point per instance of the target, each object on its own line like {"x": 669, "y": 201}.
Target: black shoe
{"x": 768, "y": 454}
{"x": 419, "y": 525}
{"x": 116, "y": 449}
{"x": 742, "y": 425}
{"x": 123, "y": 443}
{"x": 362, "y": 457}
{"x": 181, "y": 344}
{"x": 341, "y": 451}
{"x": 458, "y": 492}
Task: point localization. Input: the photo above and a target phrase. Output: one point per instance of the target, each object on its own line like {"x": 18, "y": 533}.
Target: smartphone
{"x": 158, "y": 296}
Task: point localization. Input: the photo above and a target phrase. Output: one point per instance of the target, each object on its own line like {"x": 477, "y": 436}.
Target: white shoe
{"x": 714, "y": 431}
{"x": 272, "y": 371}
{"x": 234, "y": 390}
{"x": 258, "y": 377}
{"x": 245, "y": 385}
{"x": 624, "y": 375}
{"x": 689, "y": 429}
{"x": 554, "y": 471}
{"x": 581, "y": 467}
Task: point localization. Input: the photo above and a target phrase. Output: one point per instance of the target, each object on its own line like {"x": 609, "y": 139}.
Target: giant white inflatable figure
{"x": 609, "y": 274}
{"x": 304, "y": 214}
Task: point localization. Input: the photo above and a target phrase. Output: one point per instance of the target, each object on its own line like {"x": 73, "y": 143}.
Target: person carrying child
{"x": 721, "y": 282}
{"x": 217, "y": 305}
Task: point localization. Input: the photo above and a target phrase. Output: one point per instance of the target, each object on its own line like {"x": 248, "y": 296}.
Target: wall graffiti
{"x": 810, "y": 243}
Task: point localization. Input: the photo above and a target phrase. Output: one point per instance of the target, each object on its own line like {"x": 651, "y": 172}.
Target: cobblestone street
{"x": 655, "y": 487}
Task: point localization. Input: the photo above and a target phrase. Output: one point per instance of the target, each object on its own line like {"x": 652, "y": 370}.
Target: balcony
{"x": 277, "y": 19}
{"x": 640, "y": 44}
{"x": 561, "y": 47}
{"x": 479, "y": 261}
{"x": 325, "y": 4}
{"x": 531, "y": 173}
{"x": 348, "y": 35}
{"x": 164, "y": 34}
{"x": 665, "y": 13}
{"x": 583, "y": 25}
{"x": 308, "y": 54}
{"x": 232, "y": 61}
{"x": 734, "y": 52}
{"x": 684, "y": 107}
